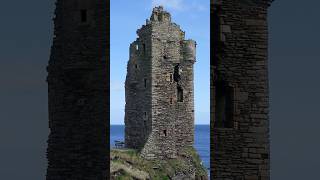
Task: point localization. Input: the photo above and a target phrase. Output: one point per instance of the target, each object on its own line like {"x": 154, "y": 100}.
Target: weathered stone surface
{"x": 78, "y": 92}
{"x": 159, "y": 111}
{"x": 239, "y": 91}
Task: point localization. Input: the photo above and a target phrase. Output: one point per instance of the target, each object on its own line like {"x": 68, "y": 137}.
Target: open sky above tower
{"x": 126, "y": 17}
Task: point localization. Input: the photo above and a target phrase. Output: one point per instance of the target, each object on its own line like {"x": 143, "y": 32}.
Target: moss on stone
{"x": 127, "y": 164}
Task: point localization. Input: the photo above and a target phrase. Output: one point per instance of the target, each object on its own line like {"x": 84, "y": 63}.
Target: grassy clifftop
{"x": 126, "y": 164}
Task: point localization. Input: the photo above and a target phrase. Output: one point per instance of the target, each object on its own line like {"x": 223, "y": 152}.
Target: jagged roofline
{"x": 158, "y": 10}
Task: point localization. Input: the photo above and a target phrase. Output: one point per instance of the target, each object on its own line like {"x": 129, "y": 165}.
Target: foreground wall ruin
{"x": 239, "y": 91}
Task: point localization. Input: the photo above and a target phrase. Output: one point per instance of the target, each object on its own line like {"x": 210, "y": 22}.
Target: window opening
{"x": 179, "y": 94}
{"x": 145, "y": 83}
{"x": 176, "y": 74}
{"x": 144, "y": 48}
{"x": 84, "y": 15}
{"x": 224, "y": 105}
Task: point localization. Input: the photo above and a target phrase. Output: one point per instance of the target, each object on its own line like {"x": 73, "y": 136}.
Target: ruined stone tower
{"x": 239, "y": 91}
{"x": 78, "y": 92}
{"x": 159, "y": 111}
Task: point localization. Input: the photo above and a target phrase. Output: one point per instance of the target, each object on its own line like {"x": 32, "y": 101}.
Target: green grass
{"x": 130, "y": 164}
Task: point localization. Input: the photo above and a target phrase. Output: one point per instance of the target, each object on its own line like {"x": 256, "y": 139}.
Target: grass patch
{"x": 126, "y": 163}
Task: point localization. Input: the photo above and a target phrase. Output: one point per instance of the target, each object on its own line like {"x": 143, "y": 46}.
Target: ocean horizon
{"x": 201, "y": 140}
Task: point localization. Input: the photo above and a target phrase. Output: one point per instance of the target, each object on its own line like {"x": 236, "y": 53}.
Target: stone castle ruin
{"x": 159, "y": 110}
{"x": 239, "y": 90}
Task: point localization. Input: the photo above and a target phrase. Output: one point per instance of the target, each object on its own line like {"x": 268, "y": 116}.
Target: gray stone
{"x": 159, "y": 110}
{"x": 78, "y": 92}
{"x": 239, "y": 91}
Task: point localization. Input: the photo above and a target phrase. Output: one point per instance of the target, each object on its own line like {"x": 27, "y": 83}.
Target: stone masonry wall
{"x": 138, "y": 92}
{"x": 78, "y": 92}
{"x": 240, "y": 108}
{"x": 167, "y": 65}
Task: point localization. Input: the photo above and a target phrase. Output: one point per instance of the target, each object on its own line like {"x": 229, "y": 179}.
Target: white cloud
{"x": 171, "y": 4}
{"x": 179, "y": 5}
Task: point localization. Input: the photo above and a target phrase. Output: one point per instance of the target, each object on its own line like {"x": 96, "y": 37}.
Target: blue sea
{"x": 202, "y": 140}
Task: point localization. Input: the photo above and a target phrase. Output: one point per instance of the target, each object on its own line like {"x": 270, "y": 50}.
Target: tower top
{"x": 160, "y": 15}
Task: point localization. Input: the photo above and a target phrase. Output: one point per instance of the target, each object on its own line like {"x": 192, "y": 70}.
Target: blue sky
{"x": 126, "y": 16}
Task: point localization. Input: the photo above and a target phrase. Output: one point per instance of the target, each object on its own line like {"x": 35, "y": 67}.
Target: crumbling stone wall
{"x": 78, "y": 92}
{"x": 240, "y": 100}
{"x": 159, "y": 111}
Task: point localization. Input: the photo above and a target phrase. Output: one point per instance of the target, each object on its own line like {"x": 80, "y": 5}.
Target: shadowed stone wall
{"x": 240, "y": 98}
{"x": 159, "y": 111}
{"x": 78, "y": 92}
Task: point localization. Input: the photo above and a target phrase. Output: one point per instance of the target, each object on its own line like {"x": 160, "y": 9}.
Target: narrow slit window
{"x": 180, "y": 94}
{"x": 171, "y": 77}
{"x": 165, "y": 133}
{"x": 145, "y": 115}
{"x": 136, "y": 66}
{"x": 84, "y": 15}
{"x": 145, "y": 83}
{"x": 171, "y": 100}
{"x": 137, "y": 47}
{"x": 144, "y": 48}
{"x": 176, "y": 74}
